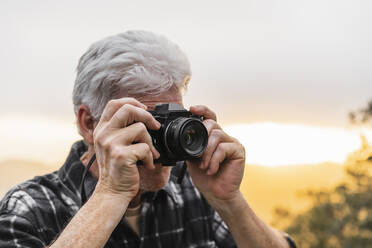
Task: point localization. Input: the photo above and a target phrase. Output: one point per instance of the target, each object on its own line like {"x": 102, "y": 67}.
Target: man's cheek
{"x": 154, "y": 180}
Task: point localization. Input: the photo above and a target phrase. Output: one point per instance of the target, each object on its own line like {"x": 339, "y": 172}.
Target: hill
{"x": 268, "y": 187}
{"x": 264, "y": 187}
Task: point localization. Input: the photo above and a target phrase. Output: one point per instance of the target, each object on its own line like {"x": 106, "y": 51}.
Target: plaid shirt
{"x": 35, "y": 212}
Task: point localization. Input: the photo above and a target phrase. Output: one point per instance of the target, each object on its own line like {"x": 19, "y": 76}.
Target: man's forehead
{"x": 150, "y": 100}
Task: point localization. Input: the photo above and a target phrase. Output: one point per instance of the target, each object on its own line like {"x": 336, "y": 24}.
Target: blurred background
{"x": 290, "y": 79}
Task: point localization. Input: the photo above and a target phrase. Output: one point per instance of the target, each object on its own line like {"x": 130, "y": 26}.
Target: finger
{"x": 218, "y": 157}
{"x": 216, "y": 137}
{"x": 113, "y": 105}
{"x": 128, "y": 114}
{"x": 225, "y": 151}
{"x": 141, "y": 151}
{"x": 203, "y": 111}
{"x": 137, "y": 133}
{"x": 210, "y": 125}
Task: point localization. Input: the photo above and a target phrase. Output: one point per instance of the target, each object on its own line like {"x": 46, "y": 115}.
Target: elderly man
{"x": 118, "y": 80}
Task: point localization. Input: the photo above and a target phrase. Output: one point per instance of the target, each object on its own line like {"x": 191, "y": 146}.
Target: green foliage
{"x": 341, "y": 216}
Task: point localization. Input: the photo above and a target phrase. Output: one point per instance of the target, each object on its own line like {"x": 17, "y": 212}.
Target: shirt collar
{"x": 72, "y": 170}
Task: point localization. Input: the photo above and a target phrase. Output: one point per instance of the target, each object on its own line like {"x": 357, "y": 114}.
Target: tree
{"x": 340, "y": 217}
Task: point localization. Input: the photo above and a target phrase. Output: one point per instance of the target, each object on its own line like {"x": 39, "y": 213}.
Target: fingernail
{"x": 205, "y": 164}
{"x": 201, "y": 166}
{"x": 156, "y": 154}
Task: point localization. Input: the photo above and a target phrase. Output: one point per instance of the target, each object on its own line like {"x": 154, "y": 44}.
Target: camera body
{"x": 182, "y": 135}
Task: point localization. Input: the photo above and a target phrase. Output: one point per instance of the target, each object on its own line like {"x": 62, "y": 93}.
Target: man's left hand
{"x": 219, "y": 172}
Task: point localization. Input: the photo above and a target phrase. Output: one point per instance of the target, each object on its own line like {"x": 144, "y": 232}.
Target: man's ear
{"x": 86, "y": 124}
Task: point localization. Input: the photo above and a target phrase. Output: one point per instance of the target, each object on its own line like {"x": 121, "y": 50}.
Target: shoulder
{"x": 38, "y": 199}
{"x": 25, "y": 217}
{"x": 21, "y": 197}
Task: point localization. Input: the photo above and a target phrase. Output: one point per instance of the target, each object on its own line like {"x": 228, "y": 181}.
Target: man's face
{"x": 152, "y": 180}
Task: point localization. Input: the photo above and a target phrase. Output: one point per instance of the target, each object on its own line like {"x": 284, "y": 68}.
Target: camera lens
{"x": 192, "y": 137}
{"x": 186, "y": 137}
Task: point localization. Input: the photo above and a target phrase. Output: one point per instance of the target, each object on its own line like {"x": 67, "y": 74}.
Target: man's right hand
{"x": 120, "y": 140}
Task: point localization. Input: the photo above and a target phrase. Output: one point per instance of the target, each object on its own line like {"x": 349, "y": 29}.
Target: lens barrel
{"x": 186, "y": 137}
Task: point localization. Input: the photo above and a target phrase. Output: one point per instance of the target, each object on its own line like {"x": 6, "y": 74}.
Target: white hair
{"x": 128, "y": 64}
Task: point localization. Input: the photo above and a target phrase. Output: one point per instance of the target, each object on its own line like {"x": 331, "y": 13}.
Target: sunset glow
{"x": 273, "y": 144}
{"x": 268, "y": 144}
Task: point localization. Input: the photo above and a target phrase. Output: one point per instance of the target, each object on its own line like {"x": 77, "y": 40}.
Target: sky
{"x": 288, "y": 62}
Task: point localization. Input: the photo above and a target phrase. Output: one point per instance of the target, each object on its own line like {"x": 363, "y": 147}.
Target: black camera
{"x": 182, "y": 135}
